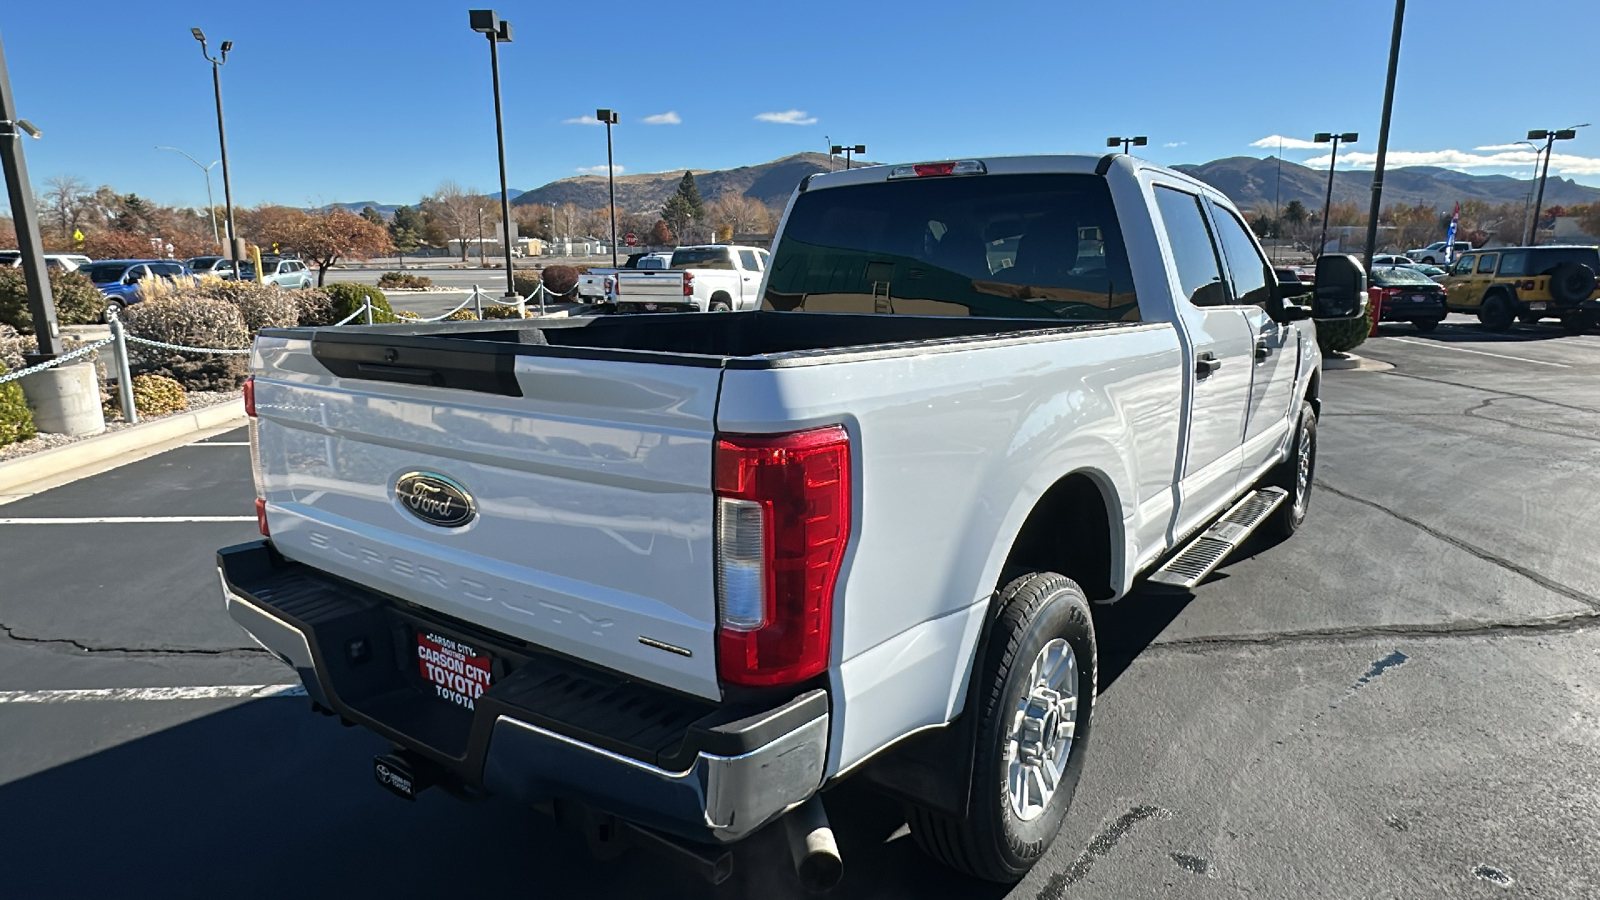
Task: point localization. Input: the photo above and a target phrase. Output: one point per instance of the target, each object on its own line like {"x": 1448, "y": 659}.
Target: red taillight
{"x": 261, "y": 517}
{"x": 250, "y": 397}
{"x": 954, "y": 167}
{"x": 783, "y": 522}
{"x": 688, "y": 284}
{"x": 925, "y": 169}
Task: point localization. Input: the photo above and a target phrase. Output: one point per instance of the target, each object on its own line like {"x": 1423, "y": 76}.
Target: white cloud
{"x": 596, "y": 170}
{"x": 1175, "y": 144}
{"x": 1516, "y": 146}
{"x": 666, "y": 118}
{"x": 582, "y": 120}
{"x": 1560, "y": 163}
{"x": 788, "y": 117}
{"x": 1272, "y": 142}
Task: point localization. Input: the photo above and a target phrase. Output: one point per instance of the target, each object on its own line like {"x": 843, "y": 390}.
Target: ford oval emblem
{"x": 435, "y": 499}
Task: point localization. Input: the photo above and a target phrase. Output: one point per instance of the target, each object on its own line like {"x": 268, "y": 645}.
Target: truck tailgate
{"x": 592, "y": 527}
{"x": 645, "y": 286}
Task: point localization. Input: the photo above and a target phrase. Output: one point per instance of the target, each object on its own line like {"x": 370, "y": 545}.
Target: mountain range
{"x": 1249, "y": 181}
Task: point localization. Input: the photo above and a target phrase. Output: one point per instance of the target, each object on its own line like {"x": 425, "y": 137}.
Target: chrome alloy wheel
{"x": 1042, "y": 729}
{"x": 1302, "y": 469}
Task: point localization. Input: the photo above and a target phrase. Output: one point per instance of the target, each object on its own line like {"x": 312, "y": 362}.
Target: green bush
{"x": 347, "y": 298}
{"x": 525, "y": 282}
{"x": 157, "y": 395}
{"x": 560, "y": 279}
{"x": 16, "y": 419}
{"x": 462, "y": 315}
{"x": 496, "y": 311}
{"x": 192, "y": 322}
{"x": 404, "y": 280}
{"x": 78, "y": 301}
{"x": 1341, "y": 335}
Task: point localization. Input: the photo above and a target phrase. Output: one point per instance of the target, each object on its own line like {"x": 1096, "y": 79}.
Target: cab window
{"x": 1514, "y": 263}
{"x": 1251, "y": 275}
{"x": 1486, "y": 263}
{"x": 1199, "y": 272}
{"x": 1464, "y": 265}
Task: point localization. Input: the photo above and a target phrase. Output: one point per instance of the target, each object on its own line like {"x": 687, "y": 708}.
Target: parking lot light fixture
{"x": 498, "y": 31}
{"x": 217, "y": 62}
{"x": 1126, "y": 142}
{"x": 1323, "y": 137}
{"x": 1549, "y": 138}
{"x": 19, "y": 194}
{"x": 847, "y": 149}
{"x": 609, "y": 116}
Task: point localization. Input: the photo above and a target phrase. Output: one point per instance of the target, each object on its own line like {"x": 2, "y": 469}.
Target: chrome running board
{"x": 1206, "y": 552}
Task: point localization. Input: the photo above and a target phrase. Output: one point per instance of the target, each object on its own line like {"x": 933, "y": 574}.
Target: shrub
{"x": 153, "y": 395}
{"x": 260, "y": 305}
{"x": 526, "y": 283}
{"x": 560, "y": 280}
{"x": 347, "y": 298}
{"x": 16, "y": 419}
{"x": 313, "y": 306}
{"x": 404, "y": 280}
{"x": 462, "y": 315}
{"x": 1340, "y": 335}
{"x": 12, "y": 346}
{"x": 78, "y": 301}
{"x": 497, "y": 311}
{"x": 192, "y": 322}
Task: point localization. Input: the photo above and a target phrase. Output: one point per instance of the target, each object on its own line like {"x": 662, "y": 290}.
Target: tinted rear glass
{"x": 1542, "y": 260}
{"x": 713, "y": 258}
{"x": 1017, "y": 246}
{"x": 1397, "y": 275}
{"x": 104, "y": 273}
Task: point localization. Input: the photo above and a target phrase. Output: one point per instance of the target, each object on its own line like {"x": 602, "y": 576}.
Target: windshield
{"x": 1397, "y": 275}
{"x": 104, "y": 273}
{"x": 1018, "y": 246}
{"x": 706, "y": 258}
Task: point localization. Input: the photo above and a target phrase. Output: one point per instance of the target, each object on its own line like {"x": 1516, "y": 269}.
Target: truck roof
{"x": 1066, "y": 164}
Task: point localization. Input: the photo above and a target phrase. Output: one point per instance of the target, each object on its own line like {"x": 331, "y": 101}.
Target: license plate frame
{"x": 1537, "y": 306}
{"x": 453, "y": 671}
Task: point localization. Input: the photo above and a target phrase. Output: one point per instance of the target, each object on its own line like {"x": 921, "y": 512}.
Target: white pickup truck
{"x": 672, "y": 576}
{"x": 713, "y": 278}
{"x": 597, "y": 284}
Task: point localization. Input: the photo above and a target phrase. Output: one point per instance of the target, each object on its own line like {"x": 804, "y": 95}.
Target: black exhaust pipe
{"x": 811, "y": 842}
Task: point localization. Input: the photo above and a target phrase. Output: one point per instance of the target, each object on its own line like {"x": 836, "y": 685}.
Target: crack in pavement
{"x": 1474, "y": 413}
{"x": 1102, "y": 844}
{"x": 1472, "y": 387}
{"x": 1346, "y": 634}
{"x": 60, "y": 645}
{"x": 1543, "y": 581}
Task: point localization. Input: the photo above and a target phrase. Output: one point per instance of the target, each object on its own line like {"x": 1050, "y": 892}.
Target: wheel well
{"x": 1069, "y": 532}
{"x": 721, "y": 295}
{"x": 1314, "y": 393}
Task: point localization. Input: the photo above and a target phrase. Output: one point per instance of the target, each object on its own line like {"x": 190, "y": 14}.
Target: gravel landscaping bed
{"x": 197, "y": 400}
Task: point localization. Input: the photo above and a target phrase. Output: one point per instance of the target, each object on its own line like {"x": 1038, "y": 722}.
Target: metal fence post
{"x": 119, "y": 350}
{"x": 366, "y": 307}
{"x": 477, "y": 302}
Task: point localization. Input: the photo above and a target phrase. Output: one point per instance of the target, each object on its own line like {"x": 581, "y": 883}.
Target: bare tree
{"x": 65, "y": 200}
{"x": 733, "y": 213}
{"x": 568, "y": 220}
{"x": 457, "y": 211}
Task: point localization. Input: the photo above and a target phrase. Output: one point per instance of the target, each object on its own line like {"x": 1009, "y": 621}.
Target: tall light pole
{"x": 1127, "y": 142}
{"x": 498, "y": 31}
{"x": 231, "y": 250}
{"x": 1549, "y": 138}
{"x": 1323, "y": 137}
{"x": 829, "y": 141}
{"x": 1383, "y": 134}
{"x": 610, "y": 118}
{"x": 211, "y": 206}
{"x": 858, "y": 149}
{"x": 41, "y": 300}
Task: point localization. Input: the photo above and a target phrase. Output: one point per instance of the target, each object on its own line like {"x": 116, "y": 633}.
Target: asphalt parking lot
{"x": 1402, "y": 701}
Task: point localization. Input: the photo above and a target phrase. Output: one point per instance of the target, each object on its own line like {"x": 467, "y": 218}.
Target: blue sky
{"x": 343, "y": 100}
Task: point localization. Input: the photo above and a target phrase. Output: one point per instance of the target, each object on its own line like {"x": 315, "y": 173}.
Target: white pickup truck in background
{"x": 672, "y": 576}
{"x": 711, "y": 278}
{"x": 596, "y": 285}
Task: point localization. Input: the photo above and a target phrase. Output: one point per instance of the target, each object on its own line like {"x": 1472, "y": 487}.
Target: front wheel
{"x": 114, "y": 309}
{"x": 1496, "y": 313}
{"x": 1295, "y": 475}
{"x": 1426, "y": 325}
{"x": 1034, "y": 695}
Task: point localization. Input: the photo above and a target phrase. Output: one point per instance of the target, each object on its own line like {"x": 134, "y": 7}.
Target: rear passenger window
{"x": 748, "y": 262}
{"x": 1514, "y": 263}
{"x": 1486, "y": 263}
{"x": 1199, "y": 273}
{"x": 1251, "y": 276}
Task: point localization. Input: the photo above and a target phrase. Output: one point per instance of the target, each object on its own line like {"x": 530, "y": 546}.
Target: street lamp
{"x": 217, "y": 63}
{"x": 1323, "y": 137}
{"x": 211, "y": 206}
{"x": 1527, "y": 202}
{"x": 41, "y": 301}
{"x": 498, "y": 31}
{"x": 1127, "y": 142}
{"x": 1549, "y": 138}
{"x": 610, "y": 118}
{"x": 846, "y": 149}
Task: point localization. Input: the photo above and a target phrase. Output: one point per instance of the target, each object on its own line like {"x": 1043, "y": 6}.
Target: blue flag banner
{"x": 1450, "y": 236}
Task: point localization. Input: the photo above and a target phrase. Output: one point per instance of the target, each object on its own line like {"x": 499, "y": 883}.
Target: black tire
{"x": 1426, "y": 325}
{"x": 1427, "y": 260}
{"x": 719, "y": 303}
{"x": 1291, "y": 514}
{"x": 1497, "y": 313}
{"x": 1571, "y": 282}
{"x": 1578, "y": 324}
{"x": 992, "y": 841}
{"x": 113, "y": 306}
{"x": 1529, "y": 318}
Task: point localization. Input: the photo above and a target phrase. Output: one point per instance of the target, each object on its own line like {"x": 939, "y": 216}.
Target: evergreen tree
{"x": 684, "y": 207}
{"x": 373, "y": 216}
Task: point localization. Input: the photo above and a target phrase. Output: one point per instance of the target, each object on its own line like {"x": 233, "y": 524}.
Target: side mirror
{"x": 1284, "y": 306}
{"x": 1341, "y": 291}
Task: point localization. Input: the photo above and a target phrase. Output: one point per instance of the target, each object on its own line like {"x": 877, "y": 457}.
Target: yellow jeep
{"x": 1527, "y": 283}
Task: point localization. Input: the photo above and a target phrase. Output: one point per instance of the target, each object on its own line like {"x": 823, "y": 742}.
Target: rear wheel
{"x": 719, "y": 303}
{"x": 1530, "y": 318}
{"x": 1426, "y": 325}
{"x": 1496, "y": 313}
{"x": 1034, "y": 698}
{"x": 1578, "y": 324}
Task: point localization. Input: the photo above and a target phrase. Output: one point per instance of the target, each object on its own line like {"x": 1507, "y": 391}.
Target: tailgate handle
{"x": 404, "y": 374}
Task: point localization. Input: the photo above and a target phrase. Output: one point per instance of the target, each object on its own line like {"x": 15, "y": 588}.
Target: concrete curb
{"x": 34, "y": 467}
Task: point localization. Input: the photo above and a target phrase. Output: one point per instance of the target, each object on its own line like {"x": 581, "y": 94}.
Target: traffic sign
{"x": 631, "y": 238}
{"x": 77, "y": 235}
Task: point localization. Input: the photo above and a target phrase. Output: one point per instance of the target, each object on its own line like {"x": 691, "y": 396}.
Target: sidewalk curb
{"x": 34, "y": 467}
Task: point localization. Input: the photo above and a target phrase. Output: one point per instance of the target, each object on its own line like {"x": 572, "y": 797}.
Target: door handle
{"x": 1205, "y": 364}
{"x": 1263, "y": 350}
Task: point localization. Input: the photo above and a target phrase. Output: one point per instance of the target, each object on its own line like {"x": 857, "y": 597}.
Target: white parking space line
{"x": 1443, "y": 346}
{"x": 220, "y": 444}
{"x": 122, "y": 520}
{"x": 104, "y": 695}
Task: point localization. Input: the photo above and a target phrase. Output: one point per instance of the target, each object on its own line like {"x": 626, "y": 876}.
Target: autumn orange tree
{"x": 323, "y": 238}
